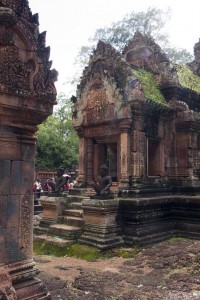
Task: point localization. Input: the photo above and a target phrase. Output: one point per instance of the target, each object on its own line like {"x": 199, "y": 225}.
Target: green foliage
{"x": 178, "y": 56}
{"x": 57, "y": 142}
{"x": 149, "y": 23}
{"x": 82, "y": 251}
{"x": 188, "y": 79}
{"x": 150, "y": 87}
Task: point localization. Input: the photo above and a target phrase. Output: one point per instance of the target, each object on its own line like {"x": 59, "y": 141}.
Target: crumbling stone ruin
{"x": 27, "y": 96}
{"x": 138, "y": 113}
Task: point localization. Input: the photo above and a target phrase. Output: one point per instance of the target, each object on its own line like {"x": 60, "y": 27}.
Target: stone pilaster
{"x": 124, "y": 153}
{"x": 81, "y": 160}
{"x": 89, "y": 160}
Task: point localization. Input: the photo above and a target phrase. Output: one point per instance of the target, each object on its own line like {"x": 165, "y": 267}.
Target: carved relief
{"x": 98, "y": 107}
{"x": 137, "y": 153}
{"x": 103, "y": 130}
{"x": 25, "y": 226}
{"x": 24, "y": 58}
{"x": 13, "y": 75}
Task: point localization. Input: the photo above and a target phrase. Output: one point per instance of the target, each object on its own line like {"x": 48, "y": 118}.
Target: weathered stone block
{"x": 101, "y": 229}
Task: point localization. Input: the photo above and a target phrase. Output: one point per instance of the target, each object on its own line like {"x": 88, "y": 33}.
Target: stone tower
{"x": 27, "y": 96}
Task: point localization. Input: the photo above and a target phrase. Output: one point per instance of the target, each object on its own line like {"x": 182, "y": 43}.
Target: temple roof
{"x": 141, "y": 73}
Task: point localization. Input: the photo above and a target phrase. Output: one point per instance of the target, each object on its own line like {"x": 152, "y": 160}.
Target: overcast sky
{"x": 69, "y": 24}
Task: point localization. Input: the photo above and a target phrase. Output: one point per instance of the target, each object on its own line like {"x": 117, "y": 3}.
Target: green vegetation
{"x": 150, "y": 87}
{"x": 57, "y": 141}
{"x": 82, "y": 251}
{"x": 188, "y": 79}
{"x": 175, "y": 239}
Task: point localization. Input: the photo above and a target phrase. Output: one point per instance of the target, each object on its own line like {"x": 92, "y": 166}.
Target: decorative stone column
{"x": 89, "y": 160}
{"x": 81, "y": 159}
{"x": 125, "y": 126}
{"x": 27, "y": 95}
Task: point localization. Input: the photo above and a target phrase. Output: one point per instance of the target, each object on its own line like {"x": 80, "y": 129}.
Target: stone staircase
{"x": 37, "y": 207}
{"x": 69, "y": 225}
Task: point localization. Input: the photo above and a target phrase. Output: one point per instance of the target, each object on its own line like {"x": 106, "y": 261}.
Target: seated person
{"x": 102, "y": 188}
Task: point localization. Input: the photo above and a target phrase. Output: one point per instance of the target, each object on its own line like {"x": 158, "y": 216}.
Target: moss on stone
{"x": 150, "y": 87}
{"x": 188, "y": 79}
{"x": 82, "y": 251}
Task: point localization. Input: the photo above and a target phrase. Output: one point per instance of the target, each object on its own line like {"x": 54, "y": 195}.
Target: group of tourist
{"x": 62, "y": 182}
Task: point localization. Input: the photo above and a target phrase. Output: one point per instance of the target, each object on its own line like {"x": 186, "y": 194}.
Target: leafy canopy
{"x": 57, "y": 142}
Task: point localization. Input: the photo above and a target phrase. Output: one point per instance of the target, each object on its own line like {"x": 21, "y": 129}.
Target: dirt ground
{"x": 168, "y": 271}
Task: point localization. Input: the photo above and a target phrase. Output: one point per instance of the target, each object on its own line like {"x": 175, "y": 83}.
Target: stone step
{"x": 75, "y": 205}
{"x": 73, "y": 212}
{"x": 56, "y": 240}
{"x": 38, "y": 209}
{"x": 73, "y": 221}
{"x": 76, "y": 198}
{"x": 40, "y": 230}
{"x": 64, "y": 230}
{"x": 80, "y": 191}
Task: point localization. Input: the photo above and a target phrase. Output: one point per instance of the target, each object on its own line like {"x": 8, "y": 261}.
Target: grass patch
{"x": 175, "y": 239}
{"x": 82, "y": 251}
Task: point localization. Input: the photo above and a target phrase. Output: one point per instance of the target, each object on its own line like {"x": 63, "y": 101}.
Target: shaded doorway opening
{"x": 106, "y": 153}
{"x": 111, "y": 160}
{"x": 153, "y": 157}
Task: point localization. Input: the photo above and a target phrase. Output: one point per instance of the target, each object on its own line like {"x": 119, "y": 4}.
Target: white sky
{"x": 69, "y": 24}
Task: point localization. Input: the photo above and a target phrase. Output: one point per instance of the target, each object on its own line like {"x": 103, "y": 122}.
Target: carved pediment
{"x": 24, "y": 58}
{"x": 107, "y": 63}
{"x": 142, "y": 51}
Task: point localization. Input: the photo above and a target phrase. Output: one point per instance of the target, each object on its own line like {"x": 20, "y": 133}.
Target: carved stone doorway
{"x": 153, "y": 157}
{"x": 106, "y": 153}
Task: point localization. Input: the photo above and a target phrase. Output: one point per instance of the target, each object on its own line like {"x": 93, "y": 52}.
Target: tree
{"x": 150, "y": 23}
{"x": 57, "y": 142}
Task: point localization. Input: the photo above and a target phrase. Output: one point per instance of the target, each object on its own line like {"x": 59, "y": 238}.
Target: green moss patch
{"x": 175, "y": 239}
{"x": 82, "y": 251}
{"x": 188, "y": 79}
{"x": 150, "y": 87}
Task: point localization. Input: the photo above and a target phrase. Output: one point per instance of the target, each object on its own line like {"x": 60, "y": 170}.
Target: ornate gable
{"x": 142, "y": 52}
{"x": 101, "y": 90}
{"x": 25, "y": 69}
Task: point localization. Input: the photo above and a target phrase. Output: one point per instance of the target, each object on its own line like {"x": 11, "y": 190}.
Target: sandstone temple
{"x": 139, "y": 113}
{"x": 134, "y": 111}
{"x": 27, "y": 96}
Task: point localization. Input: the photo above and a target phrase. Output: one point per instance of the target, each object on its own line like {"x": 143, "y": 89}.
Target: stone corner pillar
{"x": 125, "y": 126}
{"x": 27, "y": 96}
{"x": 81, "y": 182}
